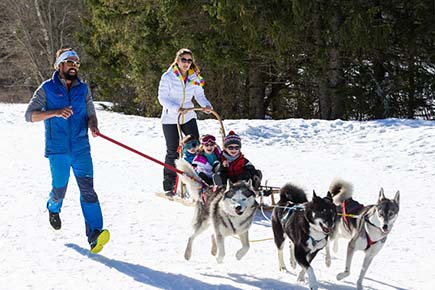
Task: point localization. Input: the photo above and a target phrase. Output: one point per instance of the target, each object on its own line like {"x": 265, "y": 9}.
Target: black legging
{"x": 170, "y": 132}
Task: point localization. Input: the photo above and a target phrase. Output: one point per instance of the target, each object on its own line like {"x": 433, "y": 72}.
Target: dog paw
{"x": 219, "y": 259}
{"x": 359, "y": 285}
{"x": 301, "y": 277}
{"x": 342, "y": 275}
{"x": 283, "y": 269}
{"x": 240, "y": 253}
{"x": 213, "y": 246}
{"x": 187, "y": 255}
{"x": 328, "y": 261}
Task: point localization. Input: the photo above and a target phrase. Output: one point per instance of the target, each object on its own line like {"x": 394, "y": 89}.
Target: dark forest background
{"x": 353, "y": 60}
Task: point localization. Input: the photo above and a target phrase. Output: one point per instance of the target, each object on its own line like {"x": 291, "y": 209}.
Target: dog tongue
{"x": 325, "y": 229}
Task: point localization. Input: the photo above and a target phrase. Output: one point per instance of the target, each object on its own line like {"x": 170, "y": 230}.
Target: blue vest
{"x": 66, "y": 136}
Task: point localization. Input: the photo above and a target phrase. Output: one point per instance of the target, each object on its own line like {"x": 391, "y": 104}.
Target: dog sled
{"x": 265, "y": 193}
{"x": 182, "y": 195}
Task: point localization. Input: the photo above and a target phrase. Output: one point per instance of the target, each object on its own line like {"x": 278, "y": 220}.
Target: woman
{"x": 178, "y": 85}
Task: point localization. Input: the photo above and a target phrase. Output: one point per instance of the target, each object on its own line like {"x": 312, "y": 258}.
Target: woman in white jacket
{"x": 178, "y": 86}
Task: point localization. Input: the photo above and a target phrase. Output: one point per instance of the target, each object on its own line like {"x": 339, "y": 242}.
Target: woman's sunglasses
{"x": 72, "y": 63}
{"x": 186, "y": 60}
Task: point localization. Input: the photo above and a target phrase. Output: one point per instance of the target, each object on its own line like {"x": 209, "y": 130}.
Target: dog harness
{"x": 315, "y": 242}
{"x": 370, "y": 242}
{"x": 289, "y": 211}
{"x": 349, "y": 207}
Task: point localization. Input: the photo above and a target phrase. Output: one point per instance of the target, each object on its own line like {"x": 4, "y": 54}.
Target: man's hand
{"x": 94, "y": 131}
{"x": 65, "y": 112}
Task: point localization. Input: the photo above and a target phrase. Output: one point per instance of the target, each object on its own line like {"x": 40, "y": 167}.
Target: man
{"x": 65, "y": 105}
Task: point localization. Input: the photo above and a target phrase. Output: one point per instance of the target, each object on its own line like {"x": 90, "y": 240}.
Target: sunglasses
{"x": 186, "y": 60}
{"x": 72, "y": 63}
{"x": 209, "y": 144}
{"x": 233, "y": 148}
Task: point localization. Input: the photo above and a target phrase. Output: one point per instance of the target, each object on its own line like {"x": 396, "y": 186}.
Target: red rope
{"x": 140, "y": 153}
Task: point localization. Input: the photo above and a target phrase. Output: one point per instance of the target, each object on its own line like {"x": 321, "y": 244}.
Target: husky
{"x": 367, "y": 227}
{"x": 229, "y": 208}
{"x": 307, "y": 224}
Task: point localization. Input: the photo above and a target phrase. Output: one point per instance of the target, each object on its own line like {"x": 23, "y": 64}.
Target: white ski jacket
{"x": 175, "y": 94}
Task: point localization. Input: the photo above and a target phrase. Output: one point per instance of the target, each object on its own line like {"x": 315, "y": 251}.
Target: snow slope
{"x": 149, "y": 234}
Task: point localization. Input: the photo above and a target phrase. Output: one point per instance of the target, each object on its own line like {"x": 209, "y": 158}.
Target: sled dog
{"x": 307, "y": 224}
{"x": 366, "y": 227}
{"x": 229, "y": 208}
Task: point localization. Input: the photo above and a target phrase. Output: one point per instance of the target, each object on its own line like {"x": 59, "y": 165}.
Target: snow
{"x": 149, "y": 234}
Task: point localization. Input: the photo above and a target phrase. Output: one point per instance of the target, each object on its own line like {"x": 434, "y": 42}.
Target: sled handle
{"x": 181, "y": 114}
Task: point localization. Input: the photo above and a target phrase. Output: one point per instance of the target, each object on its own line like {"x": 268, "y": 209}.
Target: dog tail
{"x": 340, "y": 190}
{"x": 292, "y": 193}
{"x": 193, "y": 187}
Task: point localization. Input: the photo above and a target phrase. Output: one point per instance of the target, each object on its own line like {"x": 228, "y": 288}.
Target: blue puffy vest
{"x": 66, "y": 136}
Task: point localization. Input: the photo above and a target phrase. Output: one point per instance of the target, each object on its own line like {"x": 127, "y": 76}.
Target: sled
{"x": 265, "y": 192}
{"x": 180, "y": 189}
{"x": 181, "y": 196}
{"x": 184, "y": 201}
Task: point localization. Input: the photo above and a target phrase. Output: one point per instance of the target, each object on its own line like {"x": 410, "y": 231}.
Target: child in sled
{"x": 190, "y": 148}
{"x": 233, "y": 165}
{"x": 208, "y": 153}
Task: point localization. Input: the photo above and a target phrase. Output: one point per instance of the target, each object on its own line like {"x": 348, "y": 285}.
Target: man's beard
{"x": 70, "y": 77}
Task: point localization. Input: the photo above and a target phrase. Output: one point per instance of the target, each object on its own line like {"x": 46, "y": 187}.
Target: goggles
{"x": 208, "y": 139}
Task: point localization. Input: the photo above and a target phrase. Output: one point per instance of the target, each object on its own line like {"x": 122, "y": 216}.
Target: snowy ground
{"x": 149, "y": 234}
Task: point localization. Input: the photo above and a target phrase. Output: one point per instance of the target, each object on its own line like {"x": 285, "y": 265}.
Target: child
{"x": 208, "y": 153}
{"x": 233, "y": 165}
{"x": 190, "y": 149}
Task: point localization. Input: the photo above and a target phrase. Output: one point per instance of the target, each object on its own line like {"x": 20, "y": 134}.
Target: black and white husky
{"x": 367, "y": 227}
{"x": 307, "y": 224}
{"x": 229, "y": 208}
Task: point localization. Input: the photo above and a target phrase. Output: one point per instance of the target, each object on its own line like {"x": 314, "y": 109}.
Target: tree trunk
{"x": 335, "y": 69}
{"x": 256, "y": 91}
{"x": 321, "y": 79}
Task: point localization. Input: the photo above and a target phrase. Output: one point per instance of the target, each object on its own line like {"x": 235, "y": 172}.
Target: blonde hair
{"x": 182, "y": 52}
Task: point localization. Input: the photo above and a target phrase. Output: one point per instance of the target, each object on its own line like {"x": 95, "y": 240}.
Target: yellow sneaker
{"x": 98, "y": 244}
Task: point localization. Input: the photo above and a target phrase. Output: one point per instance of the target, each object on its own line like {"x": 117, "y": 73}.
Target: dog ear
{"x": 381, "y": 194}
{"x": 329, "y": 196}
{"x": 397, "y": 197}
{"x": 229, "y": 184}
{"x": 250, "y": 185}
{"x": 314, "y": 194}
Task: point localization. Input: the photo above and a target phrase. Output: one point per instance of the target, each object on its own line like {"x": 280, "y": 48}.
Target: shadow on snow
{"x": 149, "y": 276}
